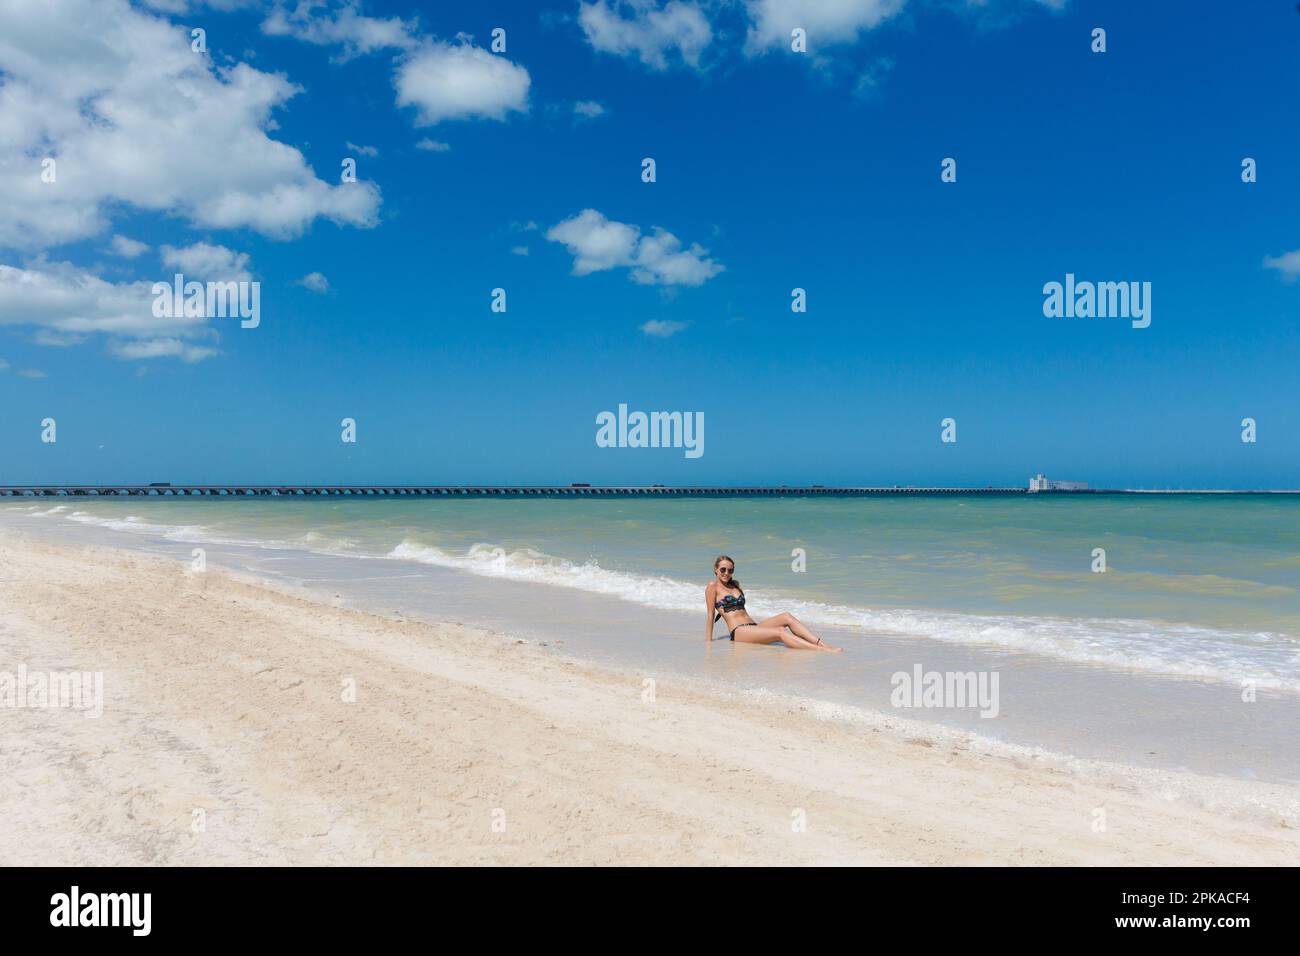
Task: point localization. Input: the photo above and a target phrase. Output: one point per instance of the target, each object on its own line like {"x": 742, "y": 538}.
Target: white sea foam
{"x": 135, "y": 525}
{"x": 312, "y": 541}
{"x": 526, "y": 564}
{"x": 35, "y": 511}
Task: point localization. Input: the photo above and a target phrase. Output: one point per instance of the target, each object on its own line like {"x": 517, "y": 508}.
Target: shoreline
{"x": 223, "y": 704}
{"x": 1072, "y": 700}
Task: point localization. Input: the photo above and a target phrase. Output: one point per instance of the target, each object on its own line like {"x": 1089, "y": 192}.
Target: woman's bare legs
{"x": 758, "y": 634}
{"x": 766, "y": 633}
{"x": 800, "y": 630}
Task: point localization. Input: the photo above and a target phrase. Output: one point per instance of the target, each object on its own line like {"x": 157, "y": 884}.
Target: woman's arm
{"x": 709, "y": 612}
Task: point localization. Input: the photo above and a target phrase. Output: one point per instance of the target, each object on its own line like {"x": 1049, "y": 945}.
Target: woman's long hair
{"x": 724, "y": 557}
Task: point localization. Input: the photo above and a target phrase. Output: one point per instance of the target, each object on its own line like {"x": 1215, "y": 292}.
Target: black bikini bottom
{"x": 738, "y": 627}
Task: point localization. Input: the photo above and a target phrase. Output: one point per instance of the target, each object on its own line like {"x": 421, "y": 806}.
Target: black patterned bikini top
{"x": 730, "y": 603}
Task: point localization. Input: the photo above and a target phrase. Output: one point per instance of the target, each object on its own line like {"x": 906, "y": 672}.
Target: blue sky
{"x": 775, "y": 170}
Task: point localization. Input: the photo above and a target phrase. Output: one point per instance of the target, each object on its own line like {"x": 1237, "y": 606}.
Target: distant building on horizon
{"x": 1042, "y": 483}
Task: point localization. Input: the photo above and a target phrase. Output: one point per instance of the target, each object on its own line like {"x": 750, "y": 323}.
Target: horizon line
{"x": 420, "y": 489}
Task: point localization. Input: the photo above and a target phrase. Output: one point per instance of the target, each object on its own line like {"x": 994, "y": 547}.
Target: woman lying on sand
{"x": 725, "y": 598}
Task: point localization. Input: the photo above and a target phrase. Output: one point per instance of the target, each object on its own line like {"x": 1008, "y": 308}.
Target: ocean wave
{"x": 312, "y": 541}
{"x": 315, "y": 541}
{"x": 525, "y": 564}
{"x": 34, "y": 511}
{"x": 135, "y": 525}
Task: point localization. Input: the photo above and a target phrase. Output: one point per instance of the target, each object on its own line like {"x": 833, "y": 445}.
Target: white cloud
{"x": 160, "y": 348}
{"x": 57, "y": 339}
{"x": 363, "y": 150}
{"x": 432, "y": 145}
{"x": 646, "y": 29}
{"x": 661, "y": 260}
{"x": 346, "y": 26}
{"x": 598, "y": 244}
{"x": 205, "y": 262}
{"x": 64, "y": 303}
{"x": 314, "y": 281}
{"x": 870, "y": 80}
{"x": 443, "y": 81}
{"x": 519, "y": 250}
{"x": 663, "y": 328}
{"x": 127, "y": 248}
{"x": 1288, "y": 264}
{"x": 185, "y": 6}
{"x": 826, "y": 22}
{"x": 32, "y": 373}
{"x": 135, "y": 118}
{"x": 595, "y": 242}
{"x": 448, "y": 81}
{"x": 588, "y": 109}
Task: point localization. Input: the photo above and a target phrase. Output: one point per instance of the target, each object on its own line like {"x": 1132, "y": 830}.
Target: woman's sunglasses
{"x": 725, "y": 570}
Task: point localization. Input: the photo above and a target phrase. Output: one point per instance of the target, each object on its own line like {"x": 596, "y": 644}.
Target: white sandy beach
{"x": 226, "y": 696}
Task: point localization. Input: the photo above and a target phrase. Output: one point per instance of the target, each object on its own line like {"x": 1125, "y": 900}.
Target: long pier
{"x": 470, "y": 491}
{"x": 158, "y": 490}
